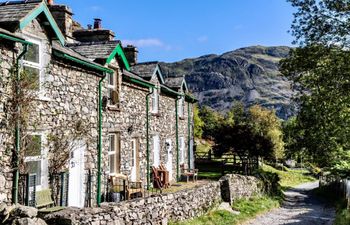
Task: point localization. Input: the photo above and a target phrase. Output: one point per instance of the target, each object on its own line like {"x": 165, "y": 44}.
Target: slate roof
{"x": 3, "y": 31}
{"x": 95, "y": 50}
{"x": 145, "y": 70}
{"x": 14, "y": 11}
{"x": 174, "y": 82}
{"x": 58, "y": 47}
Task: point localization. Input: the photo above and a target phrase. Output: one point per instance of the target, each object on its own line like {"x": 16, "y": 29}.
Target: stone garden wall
{"x": 234, "y": 186}
{"x": 161, "y": 209}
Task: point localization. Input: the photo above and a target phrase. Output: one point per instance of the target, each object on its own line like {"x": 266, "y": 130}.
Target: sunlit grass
{"x": 248, "y": 208}
{"x": 290, "y": 178}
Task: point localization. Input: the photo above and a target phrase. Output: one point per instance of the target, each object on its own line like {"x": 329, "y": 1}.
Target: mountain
{"x": 250, "y": 75}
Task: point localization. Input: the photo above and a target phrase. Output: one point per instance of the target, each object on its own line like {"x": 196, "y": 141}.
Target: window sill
{"x": 113, "y": 108}
{"x": 43, "y": 98}
{"x": 155, "y": 114}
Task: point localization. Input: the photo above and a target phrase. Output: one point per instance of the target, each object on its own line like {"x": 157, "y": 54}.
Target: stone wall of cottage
{"x": 7, "y": 60}
{"x": 129, "y": 120}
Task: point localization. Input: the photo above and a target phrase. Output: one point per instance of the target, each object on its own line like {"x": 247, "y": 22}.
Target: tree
{"x": 320, "y": 70}
{"x": 265, "y": 123}
{"x": 198, "y": 123}
{"x": 212, "y": 120}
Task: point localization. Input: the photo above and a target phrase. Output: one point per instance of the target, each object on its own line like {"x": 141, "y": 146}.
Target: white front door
{"x": 76, "y": 192}
{"x": 169, "y": 162}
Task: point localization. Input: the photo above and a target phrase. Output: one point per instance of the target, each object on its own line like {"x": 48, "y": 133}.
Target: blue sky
{"x": 171, "y": 30}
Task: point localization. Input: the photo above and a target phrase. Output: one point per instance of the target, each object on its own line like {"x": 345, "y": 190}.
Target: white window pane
{"x": 111, "y": 79}
{"x": 34, "y": 167}
{"x": 112, "y": 143}
{"x": 32, "y": 146}
{"x": 32, "y": 54}
{"x": 32, "y": 77}
{"x": 112, "y": 163}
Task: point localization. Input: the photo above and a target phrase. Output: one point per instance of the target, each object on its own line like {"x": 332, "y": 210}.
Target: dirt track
{"x": 300, "y": 208}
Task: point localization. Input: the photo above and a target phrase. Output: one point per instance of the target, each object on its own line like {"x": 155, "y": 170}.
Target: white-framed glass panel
{"x": 114, "y": 153}
{"x": 155, "y": 101}
{"x": 181, "y": 107}
{"x": 133, "y": 152}
{"x": 156, "y": 151}
{"x": 33, "y": 65}
{"x": 182, "y": 149}
{"x": 113, "y": 94}
{"x": 33, "y": 156}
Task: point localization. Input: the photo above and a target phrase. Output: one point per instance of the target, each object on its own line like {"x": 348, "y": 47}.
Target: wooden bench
{"x": 44, "y": 202}
{"x": 189, "y": 173}
{"x": 121, "y": 183}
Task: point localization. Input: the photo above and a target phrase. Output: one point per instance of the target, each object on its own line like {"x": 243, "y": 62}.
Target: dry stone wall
{"x": 152, "y": 210}
{"x": 161, "y": 209}
{"x": 234, "y": 186}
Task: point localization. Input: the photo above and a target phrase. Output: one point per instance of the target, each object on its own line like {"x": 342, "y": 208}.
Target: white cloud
{"x": 95, "y": 8}
{"x": 202, "y": 39}
{"x": 143, "y": 43}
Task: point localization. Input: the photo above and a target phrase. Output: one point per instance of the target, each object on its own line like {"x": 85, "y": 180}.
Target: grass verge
{"x": 248, "y": 208}
{"x": 290, "y": 178}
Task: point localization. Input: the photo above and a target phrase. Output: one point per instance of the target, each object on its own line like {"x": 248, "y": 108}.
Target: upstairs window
{"x": 113, "y": 93}
{"x": 32, "y": 65}
{"x": 181, "y": 107}
{"x": 155, "y": 101}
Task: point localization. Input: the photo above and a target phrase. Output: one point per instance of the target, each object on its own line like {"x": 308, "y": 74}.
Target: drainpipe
{"x": 177, "y": 140}
{"x": 189, "y": 135}
{"x": 99, "y": 159}
{"x": 17, "y": 129}
{"x": 147, "y": 138}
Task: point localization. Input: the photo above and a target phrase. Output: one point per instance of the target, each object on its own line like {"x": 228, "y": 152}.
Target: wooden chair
{"x": 165, "y": 175}
{"x": 44, "y": 202}
{"x": 157, "y": 182}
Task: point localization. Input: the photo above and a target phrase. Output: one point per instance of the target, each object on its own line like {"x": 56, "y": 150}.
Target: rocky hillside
{"x": 248, "y": 74}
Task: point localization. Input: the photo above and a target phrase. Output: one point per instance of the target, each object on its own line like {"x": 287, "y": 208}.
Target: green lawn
{"x": 248, "y": 208}
{"x": 290, "y": 178}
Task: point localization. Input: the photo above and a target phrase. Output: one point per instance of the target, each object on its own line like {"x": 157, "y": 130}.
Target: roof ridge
{"x": 92, "y": 43}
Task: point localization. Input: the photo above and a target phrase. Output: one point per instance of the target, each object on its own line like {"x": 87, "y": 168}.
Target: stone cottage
{"x": 73, "y": 100}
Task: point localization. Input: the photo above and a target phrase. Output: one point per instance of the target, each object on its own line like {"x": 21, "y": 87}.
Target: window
{"x": 133, "y": 152}
{"x": 114, "y": 153}
{"x": 32, "y": 65}
{"x": 156, "y": 151}
{"x": 113, "y": 94}
{"x": 155, "y": 101}
{"x": 182, "y": 149}
{"x": 181, "y": 107}
{"x": 32, "y": 156}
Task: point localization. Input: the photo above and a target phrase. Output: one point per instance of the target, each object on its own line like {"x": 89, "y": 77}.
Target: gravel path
{"x": 300, "y": 208}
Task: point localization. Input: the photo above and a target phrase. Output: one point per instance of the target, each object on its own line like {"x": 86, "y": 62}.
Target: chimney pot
{"x": 97, "y": 23}
{"x": 50, "y": 2}
{"x": 89, "y": 26}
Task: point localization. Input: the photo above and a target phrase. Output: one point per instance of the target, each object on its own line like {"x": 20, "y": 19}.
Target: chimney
{"x": 97, "y": 23}
{"x": 131, "y": 53}
{"x": 89, "y": 26}
{"x": 97, "y": 34}
{"x": 63, "y": 17}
